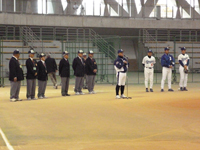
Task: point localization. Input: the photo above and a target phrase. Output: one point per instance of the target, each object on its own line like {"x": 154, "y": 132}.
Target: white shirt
{"x": 184, "y": 58}
{"x": 149, "y": 62}
{"x": 31, "y": 58}
{"x": 15, "y": 57}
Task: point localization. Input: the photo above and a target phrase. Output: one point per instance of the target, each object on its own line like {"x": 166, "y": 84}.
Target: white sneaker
{"x": 13, "y": 100}
{"x": 29, "y": 98}
{"x": 77, "y": 93}
{"x": 123, "y": 96}
{"x": 34, "y": 98}
{"x": 19, "y": 99}
{"x": 93, "y": 92}
{"x": 118, "y": 97}
{"x": 90, "y": 93}
{"x": 81, "y": 93}
{"x": 40, "y": 97}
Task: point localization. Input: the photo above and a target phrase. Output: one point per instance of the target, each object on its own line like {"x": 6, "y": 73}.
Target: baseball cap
{"x": 42, "y": 55}
{"x": 91, "y": 52}
{"x": 166, "y": 48}
{"x": 65, "y": 53}
{"x": 80, "y": 51}
{"x": 120, "y": 51}
{"x": 31, "y": 51}
{"x": 183, "y": 48}
{"x": 150, "y": 51}
{"x": 16, "y": 51}
{"x": 84, "y": 54}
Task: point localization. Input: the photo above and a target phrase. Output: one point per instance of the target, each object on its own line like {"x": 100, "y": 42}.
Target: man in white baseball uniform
{"x": 183, "y": 68}
{"x": 148, "y": 63}
{"x": 167, "y": 62}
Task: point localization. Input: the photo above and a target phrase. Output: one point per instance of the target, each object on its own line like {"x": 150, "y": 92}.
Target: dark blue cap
{"x": 150, "y": 51}
{"x": 42, "y": 55}
{"x": 16, "y": 51}
{"x": 183, "y": 48}
{"x": 120, "y": 51}
{"x": 166, "y": 48}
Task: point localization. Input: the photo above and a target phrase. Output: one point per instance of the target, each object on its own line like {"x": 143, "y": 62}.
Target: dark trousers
{"x": 31, "y": 85}
{"x": 41, "y": 88}
{"x": 14, "y": 89}
{"x": 90, "y": 82}
{"x": 79, "y": 81}
{"x": 65, "y": 85}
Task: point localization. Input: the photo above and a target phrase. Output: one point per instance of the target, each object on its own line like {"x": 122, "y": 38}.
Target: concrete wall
{"x": 95, "y": 22}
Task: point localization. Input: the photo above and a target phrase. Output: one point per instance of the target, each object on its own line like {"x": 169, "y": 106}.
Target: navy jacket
{"x": 15, "y": 70}
{"x": 31, "y": 67}
{"x": 64, "y": 68}
{"x": 42, "y": 71}
{"x": 119, "y": 63}
{"x": 167, "y": 60}
{"x": 90, "y": 65}
{"x": 51, "y": 65}
{"x": 78, "y": 67}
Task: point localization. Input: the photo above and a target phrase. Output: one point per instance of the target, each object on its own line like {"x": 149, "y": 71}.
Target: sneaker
{"x": 13, "y": 100}
{"x": 34, "y": 98}
{"x": 77, "y": 93}
{"x": 81, "y": 93}
{"x": 151, "y": 90}
{"x": 28, "y": 98}
{"x": 184, "y": 89}
{"x": 93, "y": 92}
{"x": 147, "y": 90}
{"x": 18, "y": 99}
{"x": 181, "y": 89}
{"x": 123, "y": 96}
{"x": 118, "y": 97}
{"x": 162, "y": 90}
{"x": 45, "y": 97}
{"x": 170, "y": 90}
{"x": 40, "y": 97}
{"x": 67, "y": 94}
{"x": 90, "y": 93}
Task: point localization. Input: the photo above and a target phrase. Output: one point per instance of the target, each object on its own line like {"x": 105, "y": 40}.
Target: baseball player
{"x": 167, "y": 62}
{"x": 183, "y": 69}
{"x": 148, "y": 63}
{"x": 121, "y": 66}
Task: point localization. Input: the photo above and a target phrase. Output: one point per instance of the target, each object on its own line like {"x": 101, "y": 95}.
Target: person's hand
{"x": 95, "y": 70}
{"x": 15, "y": 79}
{"x": 185, "y": 67}
{"x": 125, "y": 62}
{"x": 36, "y": 74}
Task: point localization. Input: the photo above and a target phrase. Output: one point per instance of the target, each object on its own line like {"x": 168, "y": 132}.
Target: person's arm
{"x": 163, "y": 62}
{"x": 74, "y": 64}
{"x": 13, "y": 70}
{"x": 188, "y": 62}
{"x": 55, "y": 65}
{"x": 173, "y": 61}
{"x": 60, "y": 67}
{"x": 119, "y": 64}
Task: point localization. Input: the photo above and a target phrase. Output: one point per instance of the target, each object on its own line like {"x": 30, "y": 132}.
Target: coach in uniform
{"x": 167, "y": 62}
{"x": 91, "y": 70}
{"x": 51, "y": 69}
{"x": 31, "y": 66}
{"x": 79, "y": 71}
{"x": 42, "y": 76}
{"x": 121, "y": 66}
{"x": 64, "y": 72}
{"x": 148, "y": 63}
{"x": 15, "y": 76}
{"x": 183, "y": 69}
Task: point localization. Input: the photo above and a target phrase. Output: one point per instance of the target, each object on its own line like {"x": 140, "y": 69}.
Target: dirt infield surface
{"x": 148, "y": 121}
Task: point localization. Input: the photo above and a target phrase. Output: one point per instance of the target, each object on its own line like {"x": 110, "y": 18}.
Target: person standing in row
{"x": 148, "y": 63}
{"x": 42, "y": 76}
{"x": 64, "y": 72}
{"x": 85, "y": 85}
{"x": 79, "y": 71}
{"x": 91, "y": 70}
{"x": 183, "y": 59}
{"x": 31, "y": 66}
{"x": 16, "y": 75}
{"x": 51, "y": 69}
{"x": 167, "y": 62}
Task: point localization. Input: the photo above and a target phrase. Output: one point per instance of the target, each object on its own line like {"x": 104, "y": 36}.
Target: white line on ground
{"x": 6, "y": 140}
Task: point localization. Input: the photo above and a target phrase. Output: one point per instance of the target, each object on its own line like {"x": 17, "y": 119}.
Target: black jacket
{"x": 64, "y": 68}
{"x": 90, "y": 65}
{"x": 51, "y": 65}
{"x": 15, "y": 70}
{"x": 42, "y": 71}
{"x": 31, "y": 68}
{"x": 78, "y": 67}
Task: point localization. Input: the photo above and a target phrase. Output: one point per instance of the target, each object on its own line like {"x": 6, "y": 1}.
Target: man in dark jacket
{"x": 42, "y": 76}
{"x": 79, "y": 71}
{"x": 51, "y": 69}
{"x": 31, "y": 66}
{"x": 64, "y": 72}
{"x": 16, "y": 75}
{"x": 91, "y": 70}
